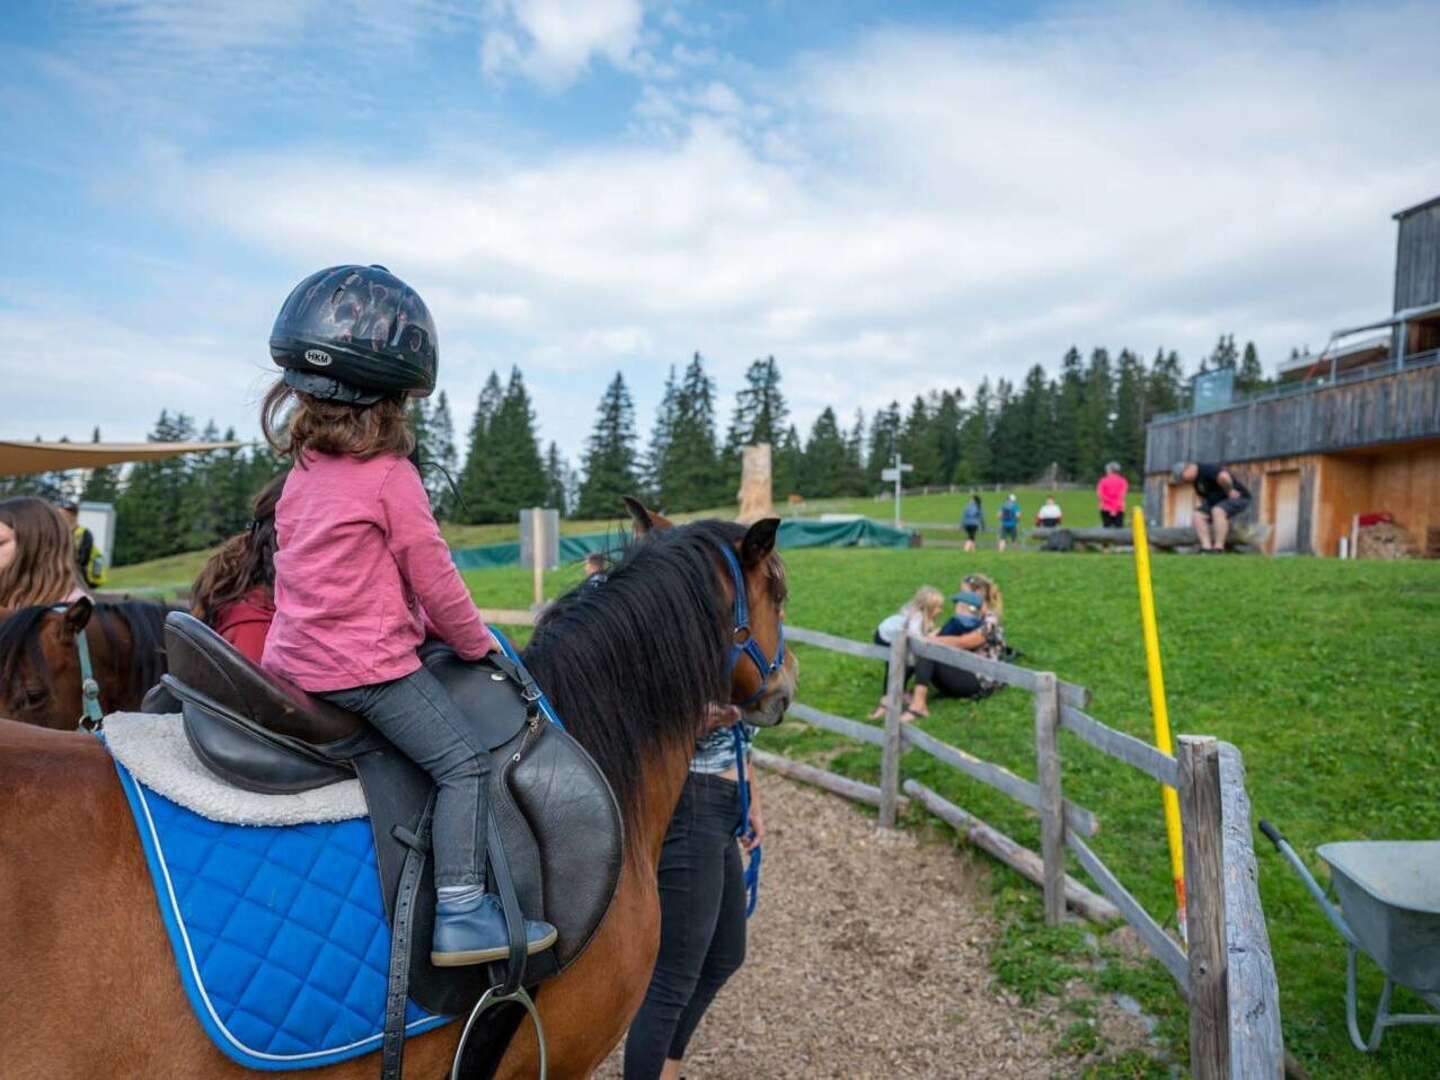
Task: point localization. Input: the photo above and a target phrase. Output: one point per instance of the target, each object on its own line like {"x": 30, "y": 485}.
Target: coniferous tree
{"x": 1093, "y": 427}
{"x": 852, "y": 481}
{"x": 520, "y": 479}
{"x": 884, "y": 441}
{"x": 440, "y": 454}
{"x": 974, "y": 464}
{"x": 557, "y": 480}
{"x": 1250, "y": 376}
{"x": 102, "y": 484}
{"x": 689, "y": 474}
{"x": 760, "y": 411}
{"x": 918, "y": 445}
{"x": 478, "y": 503}
{"x": 610, "y": 459}
{"x": 1165, "y": 389}
{"x": 1068, "y": 403}
{"x": 660, "y": 434}
{"x": 947, "y": 413}
{"x": 1035, "y": 428}
{"x": 788, "y": 465}
{"x": 824, "y": 468}
{"x": 1005, "y": 442}
{"x": 1224, "y": 357}
{"x": 1127, "y": 434}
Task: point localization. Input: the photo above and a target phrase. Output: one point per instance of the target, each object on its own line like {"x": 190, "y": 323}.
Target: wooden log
{"x": 893, "y": 747}
{"x": 1052, "y": 817}
{"x": 1161, "y": 945}
{"x": 836, "y": 644}
{"x": 1257, "y": 1045}
{"x": 1167, "y": 538}
{"x": 1117, "y": 744}
{"x": 1200, "y": 809}
{"x": 838, "y": 724}
{"x": 1021, "y": 859}
{"x": 809, "y": 774}
{"x": 997, "y": 776}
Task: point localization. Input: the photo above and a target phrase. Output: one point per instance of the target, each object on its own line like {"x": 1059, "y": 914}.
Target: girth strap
{"x": 397, "y": 991}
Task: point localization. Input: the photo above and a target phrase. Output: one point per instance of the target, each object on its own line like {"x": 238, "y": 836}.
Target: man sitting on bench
{"x": 1221, "y": 498}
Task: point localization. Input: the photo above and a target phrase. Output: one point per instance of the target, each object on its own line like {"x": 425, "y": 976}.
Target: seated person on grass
{"x": 917, "y": 618}
{"x": 974, "y": 627}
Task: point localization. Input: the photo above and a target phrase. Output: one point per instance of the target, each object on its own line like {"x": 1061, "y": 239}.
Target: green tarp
{"x": 793, "y": 534}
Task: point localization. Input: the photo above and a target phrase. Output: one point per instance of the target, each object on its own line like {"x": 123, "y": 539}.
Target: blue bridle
{"x": 750, "y": 647}
{"x": 767, "y": 669}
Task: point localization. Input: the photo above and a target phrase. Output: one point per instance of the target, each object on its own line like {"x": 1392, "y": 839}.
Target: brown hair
{"x": 989, "y": 590}
{"x": 43, "y": 571}
{"x": 294, "y": 422}
{"x": 243, "y": 562}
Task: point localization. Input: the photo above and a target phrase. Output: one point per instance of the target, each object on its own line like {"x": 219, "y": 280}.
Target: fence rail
{"x": 1227, "y": 975}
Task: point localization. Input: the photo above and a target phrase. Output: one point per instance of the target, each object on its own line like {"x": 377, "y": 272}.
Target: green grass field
{"x": 1323, "y": 673}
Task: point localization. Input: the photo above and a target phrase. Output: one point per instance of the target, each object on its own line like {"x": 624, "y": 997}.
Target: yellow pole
{"x": 1158, "y": 709}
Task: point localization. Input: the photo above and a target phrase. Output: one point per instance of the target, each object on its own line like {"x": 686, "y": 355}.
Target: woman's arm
{"x": 757, "y": 820}
{"x": 969, "y": 642}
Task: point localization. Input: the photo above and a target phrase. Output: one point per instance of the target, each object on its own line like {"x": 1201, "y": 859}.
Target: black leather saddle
{"x": 555, "y": 845}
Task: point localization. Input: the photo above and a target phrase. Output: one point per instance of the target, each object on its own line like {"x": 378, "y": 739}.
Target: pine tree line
{"x": 1092, "y": 410}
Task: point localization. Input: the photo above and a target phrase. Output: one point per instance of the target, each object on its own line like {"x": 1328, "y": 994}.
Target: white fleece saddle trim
{"x": 154, "y": 748}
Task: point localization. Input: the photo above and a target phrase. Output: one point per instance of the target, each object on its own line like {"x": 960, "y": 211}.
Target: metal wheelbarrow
{"x": 1390, "y": 894}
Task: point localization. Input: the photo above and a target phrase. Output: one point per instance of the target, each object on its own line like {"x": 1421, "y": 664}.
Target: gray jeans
{"x": 418, "y": 716}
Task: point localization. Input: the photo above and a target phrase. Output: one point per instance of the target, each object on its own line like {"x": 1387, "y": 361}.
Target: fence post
{"x": 537, "y": 553}
{"x": 894, "y": 706}
{"x": 1052, "y": 815}
{"x": 1199, "y": 759}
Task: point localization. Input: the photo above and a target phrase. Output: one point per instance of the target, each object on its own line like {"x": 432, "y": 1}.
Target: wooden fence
{"x": 1227, "y": 974}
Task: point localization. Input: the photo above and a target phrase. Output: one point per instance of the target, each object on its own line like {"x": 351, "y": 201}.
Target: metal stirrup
{"x": 488, "y": 1000}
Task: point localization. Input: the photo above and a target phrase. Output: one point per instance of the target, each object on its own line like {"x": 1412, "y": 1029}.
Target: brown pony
{"x": 633, "y": 665}
{"x": 40, "y": 679}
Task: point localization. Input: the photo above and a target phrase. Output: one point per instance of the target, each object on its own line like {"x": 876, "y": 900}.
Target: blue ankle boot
{"x": 473, "y": 932}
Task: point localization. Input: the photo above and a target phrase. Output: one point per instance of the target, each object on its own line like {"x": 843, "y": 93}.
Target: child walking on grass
{"x": 362, "y": 572}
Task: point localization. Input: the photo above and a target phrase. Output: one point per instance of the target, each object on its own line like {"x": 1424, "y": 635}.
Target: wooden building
{"x": 1354, "y": 430}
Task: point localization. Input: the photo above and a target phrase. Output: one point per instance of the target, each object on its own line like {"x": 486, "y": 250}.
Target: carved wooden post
{"x": 1199, "y": 759}
{"x": 894, "y": 706}
{"x": 1052, "y": 813}
{"x": 537, "y": 554}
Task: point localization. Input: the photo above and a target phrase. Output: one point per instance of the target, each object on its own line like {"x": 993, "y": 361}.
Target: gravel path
{"x": 868, "y": 957}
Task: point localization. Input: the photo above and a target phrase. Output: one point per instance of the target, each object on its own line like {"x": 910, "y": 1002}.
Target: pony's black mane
{"x": 20, "y": 637}
{"x": 631, "y": 664}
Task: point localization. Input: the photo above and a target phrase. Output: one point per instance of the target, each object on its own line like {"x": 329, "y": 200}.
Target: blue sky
{"x": 888, "y": 197}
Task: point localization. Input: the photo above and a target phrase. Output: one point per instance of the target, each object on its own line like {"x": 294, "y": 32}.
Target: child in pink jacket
{"x": 362, "y": 572}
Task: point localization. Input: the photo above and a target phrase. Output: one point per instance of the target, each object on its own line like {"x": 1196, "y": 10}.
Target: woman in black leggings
{"x": 702, "y": 909}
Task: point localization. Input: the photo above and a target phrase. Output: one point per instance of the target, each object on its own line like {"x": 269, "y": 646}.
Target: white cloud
{"x": 917, "y": 210}
{"x": 552, "y": 41}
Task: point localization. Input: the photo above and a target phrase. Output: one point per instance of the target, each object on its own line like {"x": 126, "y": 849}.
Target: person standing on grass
{"x": 1220, "y": 499}
{"x": 1111, "y": 491}
{"x": 972, "y": 521}
{"x": 1009, "y": 521}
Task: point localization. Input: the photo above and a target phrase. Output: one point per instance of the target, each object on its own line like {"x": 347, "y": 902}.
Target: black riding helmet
{"x": 356, "y": 334}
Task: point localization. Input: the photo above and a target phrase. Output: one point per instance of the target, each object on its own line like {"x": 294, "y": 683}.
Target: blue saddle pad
{"x": 279, "y": 932}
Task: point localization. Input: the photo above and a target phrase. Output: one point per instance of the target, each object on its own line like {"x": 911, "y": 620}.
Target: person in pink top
{"x": 362, "y": 572}
{"x": 1111, "y": 491}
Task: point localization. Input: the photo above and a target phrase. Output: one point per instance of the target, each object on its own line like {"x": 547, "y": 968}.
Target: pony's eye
{"x": 34, "y": 696}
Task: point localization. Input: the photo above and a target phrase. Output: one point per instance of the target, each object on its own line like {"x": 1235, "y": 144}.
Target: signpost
{"x": 896, "y": 472}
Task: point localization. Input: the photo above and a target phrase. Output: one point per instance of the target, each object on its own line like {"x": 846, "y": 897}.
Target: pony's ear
{"x": 645, "y": 520}
{"x": 759, "y": 542}
{"x": 77, "y": 615}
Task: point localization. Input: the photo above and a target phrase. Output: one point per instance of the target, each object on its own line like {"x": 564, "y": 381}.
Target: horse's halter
{"x": 93, "y": 715}
{"x": 749, "y": 647}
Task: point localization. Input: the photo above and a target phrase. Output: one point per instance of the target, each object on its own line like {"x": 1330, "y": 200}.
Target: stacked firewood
{"x": 1384, "y": 540}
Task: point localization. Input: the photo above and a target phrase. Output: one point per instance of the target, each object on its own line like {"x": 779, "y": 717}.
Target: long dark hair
{"x": 244, "y": 562}
{"x": 43, "y": 570}
{"x": 632, "y": 664}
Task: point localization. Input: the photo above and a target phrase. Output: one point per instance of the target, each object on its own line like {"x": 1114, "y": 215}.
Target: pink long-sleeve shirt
{"x": 1111, "y": 490}
{"x": 361, "y": 566}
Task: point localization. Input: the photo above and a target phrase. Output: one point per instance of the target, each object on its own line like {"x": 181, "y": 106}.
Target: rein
{"x": 92, "y": 715}
{"x": 767, "y": 669}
